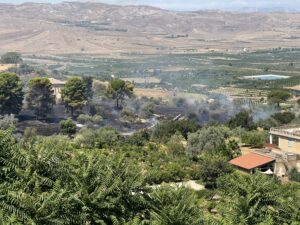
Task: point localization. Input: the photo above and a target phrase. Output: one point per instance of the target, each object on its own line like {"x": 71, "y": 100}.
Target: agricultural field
{"x": 217, "y": 73}
{"x": 233, "y": 92}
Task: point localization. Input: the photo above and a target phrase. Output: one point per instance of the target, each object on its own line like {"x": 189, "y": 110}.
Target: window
{"x": 290, "y": 143}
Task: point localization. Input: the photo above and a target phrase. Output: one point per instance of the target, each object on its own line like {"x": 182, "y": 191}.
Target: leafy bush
{"x": 127, "y": 115}
{"x": 7, "y": 121}
{"x": 83, "y": 118}
{"x": 86, "y": 119}
{"x": 211, "y": 168}
{"x": 107, "y": 137}
{"x": 67, "y": 127}
{"x": 208, "y": 140}
{"x": 175, "y": 145}
{"x": 255, "y": 139}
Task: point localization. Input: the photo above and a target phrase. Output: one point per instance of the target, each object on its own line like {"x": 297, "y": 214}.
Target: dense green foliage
{"x": 67, "y": 127}
{"x": 208, "y": 140}
{"x": 242, "y": 119}
{"x": 165, "y": 130}
{"x": 11, "y": 94}
{"x": 284, "y": 117}
{"x": 40, "y": 96}
{"x": 99, "y": 177}
{"x": 257, "y": 199}
{"x": 254, "y": 138}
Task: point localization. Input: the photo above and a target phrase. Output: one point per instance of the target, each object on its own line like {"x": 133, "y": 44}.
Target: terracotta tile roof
{"x": 251, "y": 161}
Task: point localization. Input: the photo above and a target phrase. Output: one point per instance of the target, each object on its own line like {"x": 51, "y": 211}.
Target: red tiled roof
{"x": 251, "y": 161}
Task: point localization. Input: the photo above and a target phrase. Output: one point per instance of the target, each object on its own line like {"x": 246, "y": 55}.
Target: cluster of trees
{"x": 11, "y": 58}
{"x": 40, "y": 98}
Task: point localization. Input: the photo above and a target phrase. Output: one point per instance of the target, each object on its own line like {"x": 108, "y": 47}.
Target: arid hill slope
{"x": 99, "y": 29}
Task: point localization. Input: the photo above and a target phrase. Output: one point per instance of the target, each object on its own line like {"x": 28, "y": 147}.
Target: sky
{"x": 191, "y": 5}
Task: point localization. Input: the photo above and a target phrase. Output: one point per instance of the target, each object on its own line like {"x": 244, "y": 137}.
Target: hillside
{"x": 100, "y": 29}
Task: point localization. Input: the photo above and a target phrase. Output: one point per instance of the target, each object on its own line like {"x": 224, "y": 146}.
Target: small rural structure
{"x": 254, "y": 161}
{"x": 287, "y": 139}
{"x": 57, "y": 86}
{"x": 279, "y": 155}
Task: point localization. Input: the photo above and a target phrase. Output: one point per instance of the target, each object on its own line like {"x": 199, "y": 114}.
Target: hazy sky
{"x": 193, "y": 4}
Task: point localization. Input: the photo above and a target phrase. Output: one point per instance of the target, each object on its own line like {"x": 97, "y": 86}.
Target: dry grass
{"x": 143, "y": 80}
{"x": 4, "y": 67}
{"x": 297, "y": 88}
{"x": 152, "y": 93}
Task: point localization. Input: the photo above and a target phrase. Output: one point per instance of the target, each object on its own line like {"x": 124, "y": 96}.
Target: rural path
{"x": 187, "y": 184}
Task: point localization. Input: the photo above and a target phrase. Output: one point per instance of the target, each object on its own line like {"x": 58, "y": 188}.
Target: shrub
{"x": 255, "y": 139}
{"x": 97, "y": 119}
{"x": 67, "y": 127}
{"x": 83, "y": 118}
{"x": 211, "y": 168}
{"x": 107, "y": 137}
{"x": 7, "y": 121}
{"x": 208, "y": 139}
{"x": 127, "y": 114}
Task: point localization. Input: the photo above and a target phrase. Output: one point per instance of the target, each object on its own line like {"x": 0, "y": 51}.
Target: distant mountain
{"x": 269, "y": 10}
{"x": 110, "y": 30}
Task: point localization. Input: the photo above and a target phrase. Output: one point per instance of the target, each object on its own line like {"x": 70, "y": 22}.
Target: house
{"x": 254, "y": 161}
{"x": 287, "y": 140}
{"x": 57, "y": 86}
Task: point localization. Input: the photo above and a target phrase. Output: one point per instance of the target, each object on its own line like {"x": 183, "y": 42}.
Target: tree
{"x": 11, "y": 58}
{"x": 11, "y": 94}
{"x": 40, "y": 97}
{"x": 211, "y": 168}
{"x": 175, "y": 206}
{"x": 106, "y": 137}
{"x": 88, "y": 83}
{"x": 67, "y": 127}
{"x": 119, "y": 89}
{"x": 242, "y": 119}
{"x": 278, "y": 96}
{"x": 208, "y": 140}
{"x": 74, "y": 95}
